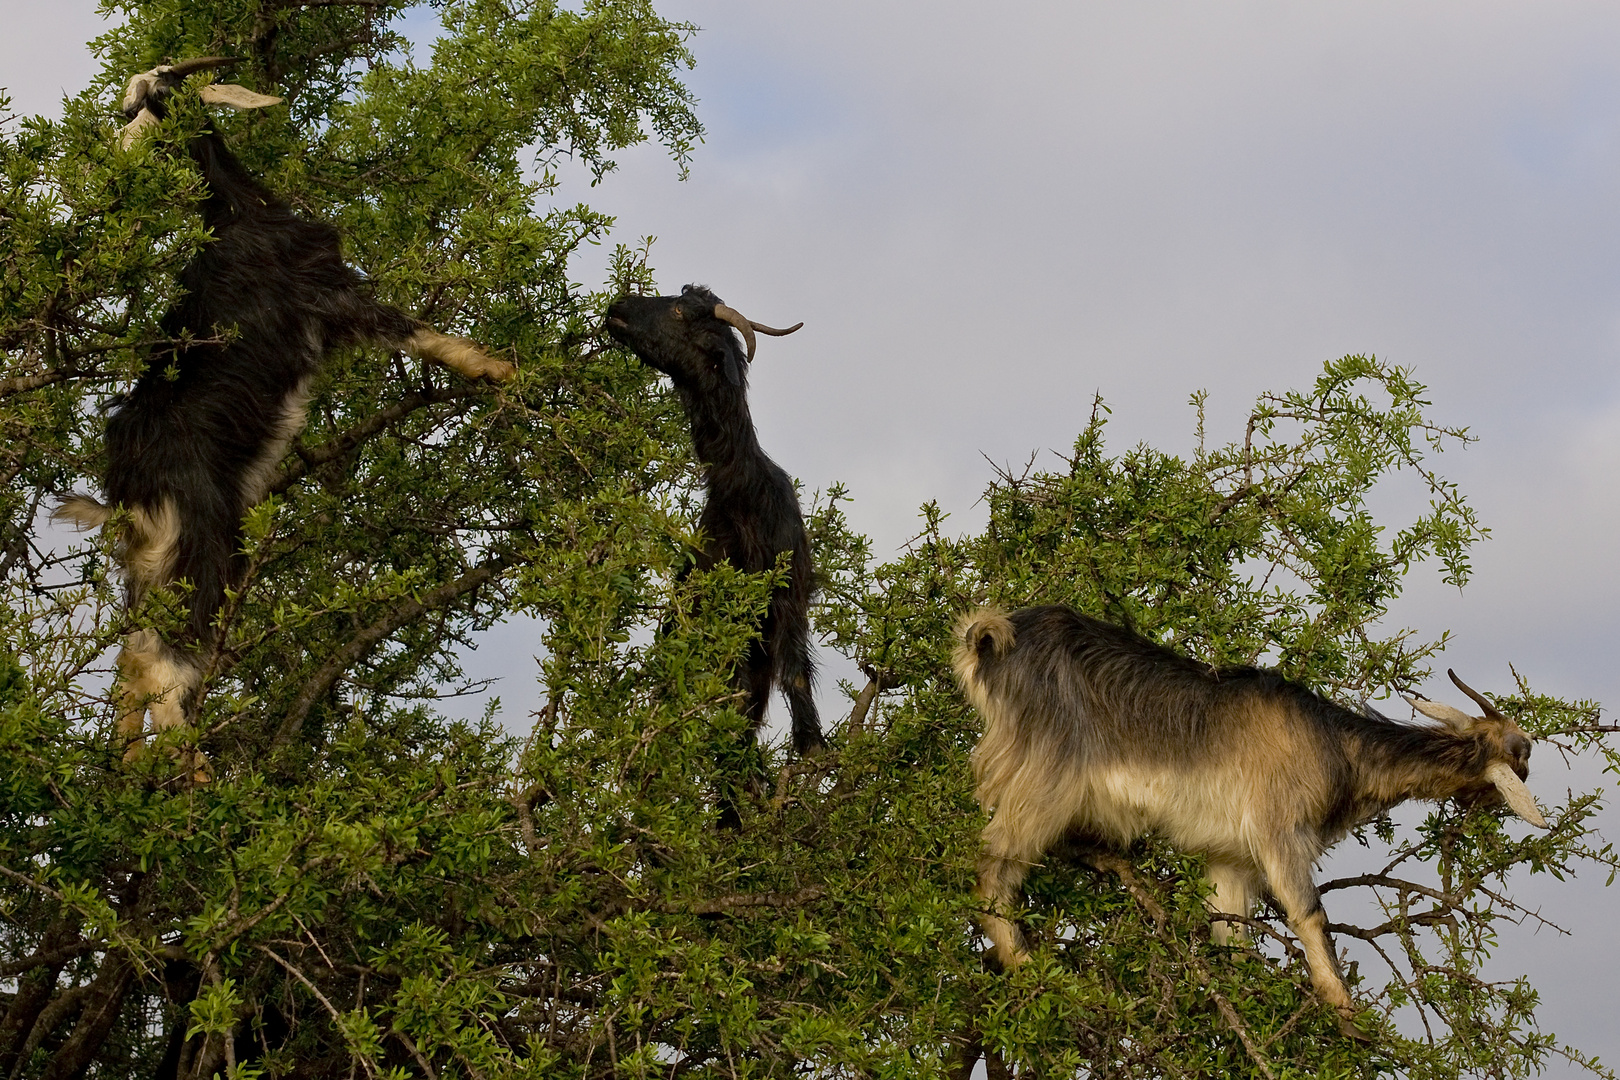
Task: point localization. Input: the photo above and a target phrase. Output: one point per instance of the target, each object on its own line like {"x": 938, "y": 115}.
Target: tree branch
{"x": 1389, "y": 883}
{"x": 47, "y": 958}
{"x": 103, "y": 1002}
{"x": 722, "y": 904}
{"x": 310, "y": 458}
{"x": 19, "y": 384}
{"x": 524, "y": 803}
{"x": 876, "y": 683}
{"x": 326, "y": 676}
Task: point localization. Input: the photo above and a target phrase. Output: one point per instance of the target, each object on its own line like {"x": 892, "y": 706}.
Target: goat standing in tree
{"x": 752, "y": 514}
{"x": 1093, "y": 730}
{"x": 193, "y": 446}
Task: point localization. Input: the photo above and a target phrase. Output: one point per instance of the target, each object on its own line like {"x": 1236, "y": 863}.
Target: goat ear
{"x": 144, "y": 121}
{"x": 1515, "y": 794}
{"x": 237, "y": 97}
{"x": 1435, "y": 710}
{"x": 730, "y": 366}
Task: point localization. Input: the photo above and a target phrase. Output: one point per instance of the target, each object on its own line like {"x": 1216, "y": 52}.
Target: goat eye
{"x": 677, "y": 313}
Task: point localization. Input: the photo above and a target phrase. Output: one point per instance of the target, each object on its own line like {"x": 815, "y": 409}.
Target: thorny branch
{"x": 327, "y": 675}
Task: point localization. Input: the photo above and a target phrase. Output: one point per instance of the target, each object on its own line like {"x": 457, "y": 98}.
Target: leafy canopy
{"x": 371, "y": 888}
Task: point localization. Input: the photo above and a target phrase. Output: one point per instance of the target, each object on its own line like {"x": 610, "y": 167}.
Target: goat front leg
{"x": 1288, "y": 874}
{"x": 1000, "y": 878}
{"x": 458, "y": 354}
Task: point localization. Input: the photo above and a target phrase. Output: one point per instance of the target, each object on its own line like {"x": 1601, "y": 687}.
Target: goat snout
{"x": 1518, "y": 751}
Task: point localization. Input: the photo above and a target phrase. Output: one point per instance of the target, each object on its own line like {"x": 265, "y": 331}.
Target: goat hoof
{"x": 498, "y": 370}
{"x": 1348, "y": 1028}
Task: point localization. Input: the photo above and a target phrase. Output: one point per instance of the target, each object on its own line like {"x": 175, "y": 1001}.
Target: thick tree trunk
{"x": 103, "y": 1002}
{"x": 34, "y": 992}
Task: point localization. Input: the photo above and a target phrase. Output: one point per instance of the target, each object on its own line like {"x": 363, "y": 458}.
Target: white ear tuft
{"x": 1435, "y": 710}
{"x": 237, "y": 97}
{"x": 144, "y": 121}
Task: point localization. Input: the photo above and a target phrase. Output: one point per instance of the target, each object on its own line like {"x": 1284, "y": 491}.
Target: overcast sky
{"x": 985, "y": 215}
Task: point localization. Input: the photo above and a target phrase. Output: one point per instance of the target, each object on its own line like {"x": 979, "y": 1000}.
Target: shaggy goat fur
{"x": 1093, "y": 730}
{"x": 194, "y": 445}
{"x": 752, "y": 513}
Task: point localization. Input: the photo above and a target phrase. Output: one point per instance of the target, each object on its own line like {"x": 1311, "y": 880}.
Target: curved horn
{"x": 1516, "y": 795}
{"x": 744, "y": 327}
{"x": 762, "y": 328}
{"x": 1479, "y": 698}
{"x": 198, "y": 63}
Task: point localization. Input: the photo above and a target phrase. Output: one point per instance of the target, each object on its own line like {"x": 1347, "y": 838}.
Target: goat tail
{"x": 82, "y": 512}
{"x": 796, "y": 669}
{"x": 982, "y": 634}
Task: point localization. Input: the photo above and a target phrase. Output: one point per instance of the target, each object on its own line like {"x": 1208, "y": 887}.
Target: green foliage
{"x": 370, "y": 888}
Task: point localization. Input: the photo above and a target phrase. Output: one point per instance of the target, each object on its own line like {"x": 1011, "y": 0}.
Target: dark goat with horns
{"x": 1093, "y": 730}
{"x": 195, "y": 443}
{"x": 752, "y": 514}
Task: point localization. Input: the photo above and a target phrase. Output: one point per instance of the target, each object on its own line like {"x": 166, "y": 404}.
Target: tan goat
{"x": 1094, "y": 730}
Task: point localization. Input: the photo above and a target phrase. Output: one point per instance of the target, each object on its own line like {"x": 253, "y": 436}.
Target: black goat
{"x": 1091, "y": 729}
{"x": 194, "y": 444}
{"x": 752, "y": 514}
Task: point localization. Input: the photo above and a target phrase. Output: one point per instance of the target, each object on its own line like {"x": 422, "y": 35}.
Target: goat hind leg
{"x": 136, "y": 687}
{"x": 1234, "y": 889}
{"x": 796, "y": 676}
{"x": 153, "y": 676}
{"x": 1015, "y": 839}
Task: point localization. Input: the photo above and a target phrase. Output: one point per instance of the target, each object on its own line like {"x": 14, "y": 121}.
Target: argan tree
{"x": 368, "y": 887}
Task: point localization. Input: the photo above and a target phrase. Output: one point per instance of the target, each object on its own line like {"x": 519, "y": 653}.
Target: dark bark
{"x": 102, "y": 1003}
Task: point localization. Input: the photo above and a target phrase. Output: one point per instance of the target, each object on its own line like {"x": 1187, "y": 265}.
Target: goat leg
{"x": 1233, "y": 893}
{"x": 458, "y": 354}
{"x": 153, "y": 676}
{"x": 1013, "y": 842}
{"x": 1288, "y": 875}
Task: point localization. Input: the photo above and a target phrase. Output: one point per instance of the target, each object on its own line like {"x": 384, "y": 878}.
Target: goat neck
{"x": 723, "y": 435}
{"x": 1392, "y": 762}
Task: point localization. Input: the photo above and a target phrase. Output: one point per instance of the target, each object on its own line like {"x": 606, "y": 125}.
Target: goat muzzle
{"x": 747, "y": 327}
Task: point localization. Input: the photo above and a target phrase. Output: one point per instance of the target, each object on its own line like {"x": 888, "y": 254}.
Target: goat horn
{"x": 237, "y": 97}
{"x": 1517, "y": 796}
{"x": 1479, "y": 698}
{"x": 746, "y": 327}
{"x": 196, "y": 64}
